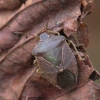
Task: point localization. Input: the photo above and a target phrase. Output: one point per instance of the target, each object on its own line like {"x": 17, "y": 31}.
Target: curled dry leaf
{"x": 87, "y": 8}
{"x": 8, "y": 14}
{"x": 18, "y": 78}
{"x": 83, "y": 35}
{"x": 34, "y": 19}
{"x": 71, "y": 26}
{"x": 9, "y": 4}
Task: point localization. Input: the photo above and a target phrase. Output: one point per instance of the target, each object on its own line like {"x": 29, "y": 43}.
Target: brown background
{"x": 93, "y": 21}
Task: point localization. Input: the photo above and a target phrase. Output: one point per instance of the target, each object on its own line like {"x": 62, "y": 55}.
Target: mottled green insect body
{"x": 56, "y": 61}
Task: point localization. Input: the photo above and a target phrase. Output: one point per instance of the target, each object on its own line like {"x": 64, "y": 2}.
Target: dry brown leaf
{"x": 83, "y": 35}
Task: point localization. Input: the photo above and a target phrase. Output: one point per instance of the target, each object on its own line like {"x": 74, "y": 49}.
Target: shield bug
{"x": 56, "y": 61}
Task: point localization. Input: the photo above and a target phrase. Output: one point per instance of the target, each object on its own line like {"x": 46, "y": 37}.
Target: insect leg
{"x": 71, "y": 42}
{"x": 53, "y": 32}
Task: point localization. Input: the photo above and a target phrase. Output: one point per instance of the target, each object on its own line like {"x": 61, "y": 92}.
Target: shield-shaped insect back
{"x": 57, "y": 61}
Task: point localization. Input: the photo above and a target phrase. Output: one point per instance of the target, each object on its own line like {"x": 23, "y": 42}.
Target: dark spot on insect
{"x": 23, "y": 1}
{"x": 66, "y": 80}
{"x": 17, "y": 33}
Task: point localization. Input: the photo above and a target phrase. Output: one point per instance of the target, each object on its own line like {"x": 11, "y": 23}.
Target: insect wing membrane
{"x": 49, "y": 71}
{"x": 67, "y": 79}
{"x": 68, "y": 59}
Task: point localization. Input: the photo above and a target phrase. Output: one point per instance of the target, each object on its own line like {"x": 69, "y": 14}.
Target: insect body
{"x": 56, "y": 61}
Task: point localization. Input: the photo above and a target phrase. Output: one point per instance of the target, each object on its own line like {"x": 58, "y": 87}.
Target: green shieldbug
{"x": 56, "y": 61}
